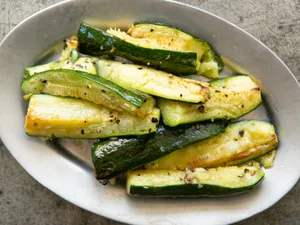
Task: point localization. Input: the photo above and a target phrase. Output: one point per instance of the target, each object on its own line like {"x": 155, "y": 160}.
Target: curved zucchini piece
{"x": 81, "y": 64}
{"x": 240, "y": 142}
{"x": 114, "y": 157}
{"x": 153, "y": 81}
{"x": 71, "y": 83}
{"x": 93, "y": 41}
{"x": 230, "y": 98}
{"x": 267, "y": 160}
{"x": 61, "y": 117}
{"x": 199, "y": 182}
{"x": 178, "y": 40}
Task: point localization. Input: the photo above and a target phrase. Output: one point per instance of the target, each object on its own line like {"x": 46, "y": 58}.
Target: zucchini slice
{"x": 199, "y": 182}
{"x": 81, "y": 64}
{"x": 71, "y": 83}
{"x": 177, "y": 40}
{"x": 268, "y": 159}
{"x": 240, "y": 142}
{"x": 114, "y": 157}
{"x": 61, "y": 117}
{"x": 230, "y": 98}
{"x": 153, "y": 81}
{"x": 94, "y": 41}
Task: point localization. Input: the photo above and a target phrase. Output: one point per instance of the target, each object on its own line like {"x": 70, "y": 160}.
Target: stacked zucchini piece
{"x": 192, "y": 151}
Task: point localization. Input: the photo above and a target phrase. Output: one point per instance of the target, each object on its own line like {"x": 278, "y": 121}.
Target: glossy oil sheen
{"x": 65, "y": 167}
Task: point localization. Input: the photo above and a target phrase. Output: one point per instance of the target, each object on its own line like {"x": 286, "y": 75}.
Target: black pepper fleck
{"x": 217, "y": 91}
{"x": 110, "y": 120}
{"x": 85, "y": 121}
{"x": 154, "y": 120}
{"x": 201, "y": 108}
{"x": 84, "y": 93}
{"x": 117, "y": 121}
{"x": 226, "y": 95}
{"x": 241, "y": 133}
{"x": 145, "y": 100}
{"x": 139, "y": 174}
{"x": 82, "y": 131}
{"x": 43, "y": 81}
{"x": 246, "y": 170}
{"x": 180, "y": 95}
{"x": 151, "y": 30}
{"x": 140, "y": 68}
{"x": 242, "y": 106}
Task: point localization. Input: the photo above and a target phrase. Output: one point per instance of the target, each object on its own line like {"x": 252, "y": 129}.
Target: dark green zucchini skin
{"x": 96, "y": 42}
{"x": 113, "y": 157}
{"x": 188, "y": 190}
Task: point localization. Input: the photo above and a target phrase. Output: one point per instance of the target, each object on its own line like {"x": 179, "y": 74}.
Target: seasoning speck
{"x": 201, "y": 108}
{"x": 43, "y": 81}
{"x": 246, "y": 170}
{"x": 217, "y": 91}
{"x": 103, "y": 91}
{"x": 154, "y": 120}
{"x": 151, "y": 30}
{"x": 117, "y": 121}
{"x": 82, "y": 131}
{"x": 241, "y": 133}
{"x": 180, "y": 95}
{"x": 226, "y": 95}
{"x": 140, "y": 68}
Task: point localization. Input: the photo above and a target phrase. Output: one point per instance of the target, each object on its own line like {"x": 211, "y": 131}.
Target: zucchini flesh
{"x": 81, "y": 64}
{"x": 61, "y": 117}
{"x": 240, "y": 142}
{"x": 71, "y": 44}
{"x": 96, "y": 42}
{"x": 268, "y": 159}
{"x": 175, "y": 39}
{"x": 71, "y": 83}
{"x": 230, "y": 98}
{"x": 114, "y": 157}
{"x": 153, "y": 81}
{"x": 214, "y": 182}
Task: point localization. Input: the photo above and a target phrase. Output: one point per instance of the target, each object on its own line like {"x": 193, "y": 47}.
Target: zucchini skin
{"x": 96, "y": 42}
{"x": 78, "y": 84}
{"x": 230, "y": 98}
{"x": 170, "y": 183}
{"x": 112, "y": 158}
{"x": 63, "y": 117}
{"x": 240, "y": 142}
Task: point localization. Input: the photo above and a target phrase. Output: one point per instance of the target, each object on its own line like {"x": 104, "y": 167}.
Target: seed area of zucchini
{"x": 77, "y": 84}
{"x": 198, "y": 182}
{"x": 61, "y": 117}
{"x": 240, "y": 142}
{"x": 153, "y": 81}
